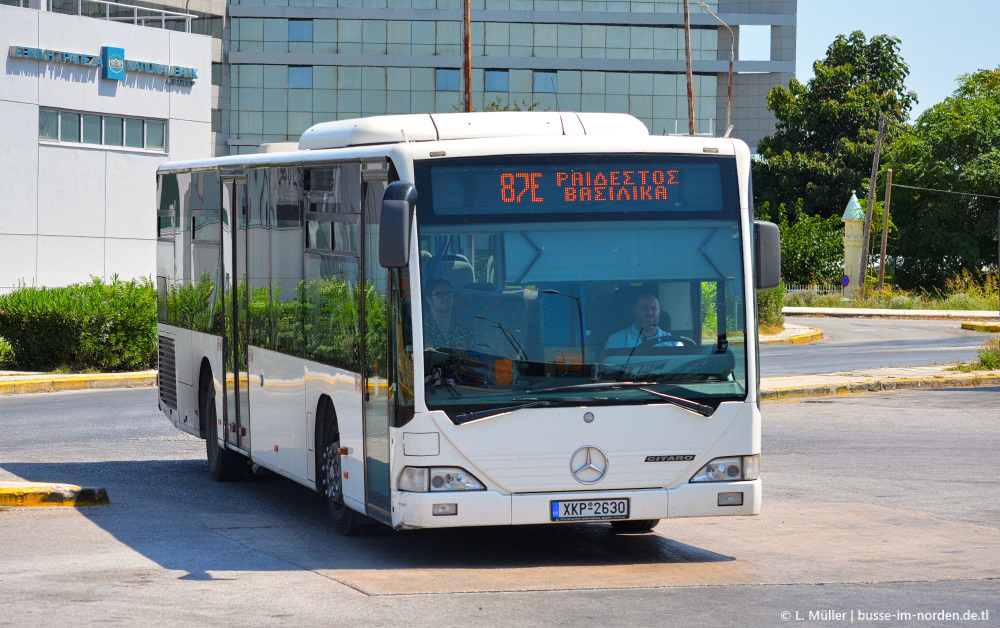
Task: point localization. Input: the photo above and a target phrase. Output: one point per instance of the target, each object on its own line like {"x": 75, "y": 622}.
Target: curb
{"x": 44, "y": 494}
{"x": 71, "y": 382}
{"x": 854, "y": 312}
{"x": 876, "y": 385}
{"x": 813, "y": 336}
{"x": 987, "y": 328}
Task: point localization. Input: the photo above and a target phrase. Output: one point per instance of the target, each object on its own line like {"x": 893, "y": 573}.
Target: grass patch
{"x": 772, "y": 329}
{"x": 989, "y": 358}
{"x": 963, "y": 292}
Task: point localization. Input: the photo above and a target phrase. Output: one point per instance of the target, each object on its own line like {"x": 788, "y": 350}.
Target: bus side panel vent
{"x": 167, "y": 372}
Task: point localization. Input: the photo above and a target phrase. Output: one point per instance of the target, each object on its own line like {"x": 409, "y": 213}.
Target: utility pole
{"x": 872, "y": 187}
{"x": 885, "y": 228}
{"x": 467, "y": 54}
{"x": 690, "y": 72}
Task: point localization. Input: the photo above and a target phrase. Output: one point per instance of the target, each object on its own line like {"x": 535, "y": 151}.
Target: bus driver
{"x": 644, "y": 328}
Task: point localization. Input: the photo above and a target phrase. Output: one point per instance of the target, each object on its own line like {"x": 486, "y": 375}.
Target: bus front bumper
{"x": 488, "y": 508}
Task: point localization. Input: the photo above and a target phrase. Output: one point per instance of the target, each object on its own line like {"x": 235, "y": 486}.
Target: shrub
{"x": 989, "y": 354}
{"x": 6, "y": 354}
{"x": 108, "y": 327}
{"x": 769, "y": 306}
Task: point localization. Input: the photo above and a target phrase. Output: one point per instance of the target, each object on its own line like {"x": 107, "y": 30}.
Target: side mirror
{"x": 767, "y": 254}
{"x": 394, "y": 224}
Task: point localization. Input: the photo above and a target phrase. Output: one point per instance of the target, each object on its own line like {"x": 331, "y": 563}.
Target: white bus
{"x": 472, "y": 319}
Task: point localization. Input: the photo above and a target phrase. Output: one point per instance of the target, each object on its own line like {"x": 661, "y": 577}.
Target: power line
{"x": 912, "y": 187}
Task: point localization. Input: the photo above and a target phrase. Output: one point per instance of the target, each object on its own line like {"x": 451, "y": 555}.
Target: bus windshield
{"x": 580, "y": 280}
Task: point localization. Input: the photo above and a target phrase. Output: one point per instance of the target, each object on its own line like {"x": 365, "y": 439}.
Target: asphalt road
{"x": 863, "y": 343}
{"x": 872, "y": 503}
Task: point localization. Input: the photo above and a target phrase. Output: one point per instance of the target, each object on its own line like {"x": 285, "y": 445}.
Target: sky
{"x": 940, "y": 39}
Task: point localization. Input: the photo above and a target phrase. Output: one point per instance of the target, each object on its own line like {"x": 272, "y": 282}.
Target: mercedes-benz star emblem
{"x": 589, "y": 465}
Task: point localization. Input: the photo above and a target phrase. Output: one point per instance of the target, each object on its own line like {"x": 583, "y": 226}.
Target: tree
{"x": 825, "y": 133}
{"x": 812, "y": 248}
{"x": 498, "y": 104}
{"x": 953, "y": 146}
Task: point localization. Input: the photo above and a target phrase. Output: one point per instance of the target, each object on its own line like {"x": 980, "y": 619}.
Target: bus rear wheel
{"x": 345, "y": 521}
{"x": 223, "y": 465}
{"x": 634, "y": 525}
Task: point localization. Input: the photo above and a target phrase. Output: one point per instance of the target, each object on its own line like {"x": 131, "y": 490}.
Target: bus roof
{"x": 429, "y": 127}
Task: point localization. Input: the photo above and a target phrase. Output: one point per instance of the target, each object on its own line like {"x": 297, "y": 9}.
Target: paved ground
{"x": 873, "y": 502}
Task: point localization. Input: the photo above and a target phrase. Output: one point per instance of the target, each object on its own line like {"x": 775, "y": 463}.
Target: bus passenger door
{"x": 236, "y": 345}
{"x": 376, "y": 365}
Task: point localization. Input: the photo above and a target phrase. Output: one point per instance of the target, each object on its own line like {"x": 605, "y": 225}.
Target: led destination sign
{"x": 112, "y": 62}
{"x": 615, "y": 184}
{"x": 587, "y": 185}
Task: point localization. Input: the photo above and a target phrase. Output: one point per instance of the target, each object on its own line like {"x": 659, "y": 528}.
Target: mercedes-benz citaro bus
{"x": 472, "y": 319}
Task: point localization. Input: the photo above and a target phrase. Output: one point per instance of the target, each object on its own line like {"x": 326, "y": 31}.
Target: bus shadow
{"x": 172, "y": 513}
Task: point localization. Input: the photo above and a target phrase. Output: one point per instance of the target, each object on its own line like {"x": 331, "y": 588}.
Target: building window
{"x": 155, "y": 134}
{"x": 545, "y": 82}
{"x": 497, "y": 81}
{"x": 300, "y": 77}
{"x": 91, "y": 129}
{"x": 133, "y": 133}
{"x": 48, "y": 124}
{"x": 300, "y": 30}
{"x": 114, "y": 134}
{"x": 447, "y": 80}
{"x": 71, "y": 127}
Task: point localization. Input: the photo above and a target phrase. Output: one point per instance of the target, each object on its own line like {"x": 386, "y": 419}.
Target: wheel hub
{"x": 331, "y": 466}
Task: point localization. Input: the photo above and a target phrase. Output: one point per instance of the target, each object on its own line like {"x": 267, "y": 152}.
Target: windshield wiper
{"x": 687, "y": 404}
{"x": 482, "y": 414}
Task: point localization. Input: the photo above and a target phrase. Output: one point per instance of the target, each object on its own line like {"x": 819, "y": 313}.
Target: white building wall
{"x": 70, "y": 211}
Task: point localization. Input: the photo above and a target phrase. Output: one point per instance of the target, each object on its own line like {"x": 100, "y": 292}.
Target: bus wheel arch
{"x": 206, "y": 390}
{"x": 329, "y": 470}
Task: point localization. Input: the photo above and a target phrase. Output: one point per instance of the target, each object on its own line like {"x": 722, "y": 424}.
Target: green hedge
{"x": 105, "y": 327}
{"x": 769, "y": 306}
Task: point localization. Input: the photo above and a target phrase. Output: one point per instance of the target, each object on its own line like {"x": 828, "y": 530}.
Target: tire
{"x": 223, "y": 465}
{"x": 634, "y": 525}
{"x": 329, "y": 476}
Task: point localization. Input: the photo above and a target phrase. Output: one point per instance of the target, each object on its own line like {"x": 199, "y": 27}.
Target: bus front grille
{"x": 167, "y": 372}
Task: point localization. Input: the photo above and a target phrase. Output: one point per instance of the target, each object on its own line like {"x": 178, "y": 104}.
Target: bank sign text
{"x": 112, "y": 62}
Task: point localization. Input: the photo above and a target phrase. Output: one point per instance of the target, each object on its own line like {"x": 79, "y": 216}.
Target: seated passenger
{"x": 441, "y": 330}
{"x": 645, "y": 327}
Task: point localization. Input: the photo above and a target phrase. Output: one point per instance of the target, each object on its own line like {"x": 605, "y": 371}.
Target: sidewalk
{"x": 978, "y": 315}
{"x": 873, "y": 380}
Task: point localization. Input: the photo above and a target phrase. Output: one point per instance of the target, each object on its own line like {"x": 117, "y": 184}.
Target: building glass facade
{"x": 280, "y": 66}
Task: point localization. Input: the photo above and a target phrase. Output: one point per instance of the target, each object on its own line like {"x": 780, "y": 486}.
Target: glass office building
{"x": 279, "y": 66}
{"x": 294, "y": 63}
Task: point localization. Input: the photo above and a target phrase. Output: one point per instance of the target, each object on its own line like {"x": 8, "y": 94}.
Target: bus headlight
{"x": 730, "y": 469}
{"x": 435, "y": 479}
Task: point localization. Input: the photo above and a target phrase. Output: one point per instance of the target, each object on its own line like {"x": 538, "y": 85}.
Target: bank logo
{"x": 114, "y": 63}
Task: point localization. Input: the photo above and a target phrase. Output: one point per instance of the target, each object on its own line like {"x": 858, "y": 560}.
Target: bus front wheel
{"x": 345, "y": 521}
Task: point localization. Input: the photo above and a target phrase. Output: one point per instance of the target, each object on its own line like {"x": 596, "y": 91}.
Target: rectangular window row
{"x": 74, "y": 127}
{"x": 543, "y": 81}
{"x": 602, "y": 6}
{"x": 495, "y": 39}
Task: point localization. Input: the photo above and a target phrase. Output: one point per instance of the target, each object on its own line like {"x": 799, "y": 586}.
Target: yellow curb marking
{"x": 34, "y": 494}
{"x": 82, "y": 382}
{"x": 982, "y": 327}
{"x": 796, "y": 340}
{"x": 875, "y": 385}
